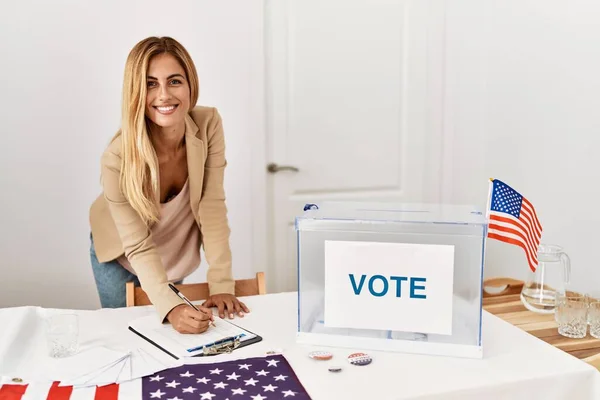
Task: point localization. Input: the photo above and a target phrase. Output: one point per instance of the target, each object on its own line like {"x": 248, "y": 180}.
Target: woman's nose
{"x": 164, "y": 93}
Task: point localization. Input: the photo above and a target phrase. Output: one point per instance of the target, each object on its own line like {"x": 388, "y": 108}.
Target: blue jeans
{"x": 110, "y": 280}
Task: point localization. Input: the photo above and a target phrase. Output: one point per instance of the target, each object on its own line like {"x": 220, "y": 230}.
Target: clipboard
{"x": 149, "y": 329}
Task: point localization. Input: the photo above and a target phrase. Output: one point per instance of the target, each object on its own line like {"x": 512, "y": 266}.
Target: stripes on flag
{"x": 513, "y": 220}
{"x": 12, "y": 392}
{"x": 52, "y": 391}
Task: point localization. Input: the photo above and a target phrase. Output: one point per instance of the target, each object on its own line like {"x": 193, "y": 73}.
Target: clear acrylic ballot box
{"x": 391, "y": 277}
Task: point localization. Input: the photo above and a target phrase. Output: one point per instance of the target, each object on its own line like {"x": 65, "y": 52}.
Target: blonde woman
{"x": 163, "y": 196}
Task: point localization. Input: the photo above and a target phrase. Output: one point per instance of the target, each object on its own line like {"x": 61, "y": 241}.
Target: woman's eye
{"x": 175, "y": 81}
{"x": 151, "y": 84}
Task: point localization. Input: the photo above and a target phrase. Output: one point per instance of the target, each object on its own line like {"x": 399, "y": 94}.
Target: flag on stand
{"x": 260, "y": 378}
{"x": 512, "y": 219}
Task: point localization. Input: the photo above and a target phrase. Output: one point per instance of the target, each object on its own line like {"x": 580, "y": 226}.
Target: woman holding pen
{"x": 163, "y": 196}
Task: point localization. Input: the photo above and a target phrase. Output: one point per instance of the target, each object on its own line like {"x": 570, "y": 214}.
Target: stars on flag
{"x": 221, "y": 385}
{"x": 269, "y": 388}
{"x": 259, "y": 378}
{"x": 157, "y": 394}
{"x": 251, "y": 381}
{"x": 233, "y": 376}
{"x": 238, "y": 391}
{"x": 272, "y": 363}
{"x": 173, "y": 384}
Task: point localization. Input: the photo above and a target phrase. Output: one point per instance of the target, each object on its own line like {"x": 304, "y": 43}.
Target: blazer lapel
{"x": 195, "y": 161}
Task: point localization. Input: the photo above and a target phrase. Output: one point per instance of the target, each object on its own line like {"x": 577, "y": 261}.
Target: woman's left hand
{"x": 226, "y": 303}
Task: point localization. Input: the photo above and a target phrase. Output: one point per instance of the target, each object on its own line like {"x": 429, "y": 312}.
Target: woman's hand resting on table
{"x": 226, "y": 303}
{"x": 185, "y": 319}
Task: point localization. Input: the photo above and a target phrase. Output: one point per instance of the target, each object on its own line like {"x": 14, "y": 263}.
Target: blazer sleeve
{"x": 137, "y": 240}
{"x": 213, "y": 212}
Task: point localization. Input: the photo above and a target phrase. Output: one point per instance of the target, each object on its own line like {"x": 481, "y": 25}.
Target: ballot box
{"x": 391, "y": 276}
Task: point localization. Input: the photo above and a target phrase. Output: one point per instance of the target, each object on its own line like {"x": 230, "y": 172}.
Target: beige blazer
{"x": 117, "y": 229}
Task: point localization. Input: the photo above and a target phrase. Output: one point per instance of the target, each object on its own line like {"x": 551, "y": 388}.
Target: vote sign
{"x": 389, "y": 286}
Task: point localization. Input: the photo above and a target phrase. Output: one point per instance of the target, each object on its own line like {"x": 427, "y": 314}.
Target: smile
{"x": 165, "y": 110}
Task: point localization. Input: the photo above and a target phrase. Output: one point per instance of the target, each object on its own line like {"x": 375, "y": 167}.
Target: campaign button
{"x": 359, "y": 359}
{"x": 320, "y": 355}
{"x": 271, "y": 352}
{"x": 335, "y": 369}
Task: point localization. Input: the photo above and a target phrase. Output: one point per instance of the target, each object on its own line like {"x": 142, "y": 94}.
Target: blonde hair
{"x": 139, "y": 169}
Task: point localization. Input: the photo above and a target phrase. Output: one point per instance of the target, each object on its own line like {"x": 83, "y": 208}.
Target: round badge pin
{"x": 320, "y": 355}
{"x": 359, "y": 359}
{"x": 335, "y": 369}
{"x": 271, "y": 352}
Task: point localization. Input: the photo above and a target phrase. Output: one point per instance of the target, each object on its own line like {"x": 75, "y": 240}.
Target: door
{"x": 352, "y": 103}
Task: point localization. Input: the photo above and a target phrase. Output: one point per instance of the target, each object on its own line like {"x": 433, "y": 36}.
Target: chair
{"x": 135, "y": 295}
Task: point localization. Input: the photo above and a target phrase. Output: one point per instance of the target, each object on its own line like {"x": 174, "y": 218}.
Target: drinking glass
{"x": 594, "y": 318}
{"x": 62, "y": 333}
{"x": 571, "y": 315}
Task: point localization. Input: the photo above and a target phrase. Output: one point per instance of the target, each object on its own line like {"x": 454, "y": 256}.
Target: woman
{"x": 163, "y": 195}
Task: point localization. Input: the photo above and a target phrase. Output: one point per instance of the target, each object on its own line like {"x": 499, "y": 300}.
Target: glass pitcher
{"x": 550, "y": 278}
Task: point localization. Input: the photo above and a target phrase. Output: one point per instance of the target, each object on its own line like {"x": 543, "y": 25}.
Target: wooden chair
{"x": 135, "y": 295}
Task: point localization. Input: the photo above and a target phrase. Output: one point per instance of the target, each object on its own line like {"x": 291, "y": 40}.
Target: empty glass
{"x": 571, "y": 315}
{"x": 594, "y": 318}
{"x": 62, "y": 333}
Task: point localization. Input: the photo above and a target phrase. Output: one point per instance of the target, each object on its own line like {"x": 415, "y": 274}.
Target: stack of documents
{"x": 103, "y": 366}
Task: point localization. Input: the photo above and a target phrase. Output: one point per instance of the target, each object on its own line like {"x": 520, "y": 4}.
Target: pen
{"x": 182, "y": 296}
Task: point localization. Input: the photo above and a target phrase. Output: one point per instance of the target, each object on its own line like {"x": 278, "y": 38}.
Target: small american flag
{"x": 513, "y": 220}
{"x": 260, "y": 378}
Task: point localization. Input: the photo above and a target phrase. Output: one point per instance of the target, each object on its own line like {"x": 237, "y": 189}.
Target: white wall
{"x": 522, "y": 101}
{"x": 521, "y": 82}
{"x": 60, "y": 80}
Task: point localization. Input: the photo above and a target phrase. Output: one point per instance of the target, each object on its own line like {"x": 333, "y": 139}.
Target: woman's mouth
{"x": 166, "y": 110}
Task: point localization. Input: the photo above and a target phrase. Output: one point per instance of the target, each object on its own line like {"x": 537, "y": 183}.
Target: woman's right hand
{"x": 187, "y": 320}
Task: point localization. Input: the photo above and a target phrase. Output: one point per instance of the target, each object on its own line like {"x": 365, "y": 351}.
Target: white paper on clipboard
{"x": 180, "y": 345}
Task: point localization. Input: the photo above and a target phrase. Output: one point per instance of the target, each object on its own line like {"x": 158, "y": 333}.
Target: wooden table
{"x": 507, "y": 306}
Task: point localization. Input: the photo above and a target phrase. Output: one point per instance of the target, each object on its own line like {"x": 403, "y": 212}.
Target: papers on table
{"x": 103, "y": 366}
{"x": 104, "y": 357}
{"x": 179, "y": 345}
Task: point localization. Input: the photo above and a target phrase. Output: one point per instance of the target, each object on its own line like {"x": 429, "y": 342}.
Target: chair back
{"x": 136, "y": 296}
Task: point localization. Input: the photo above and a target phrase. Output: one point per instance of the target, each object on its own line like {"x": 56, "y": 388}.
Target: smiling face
{"x": 168, "y": 91}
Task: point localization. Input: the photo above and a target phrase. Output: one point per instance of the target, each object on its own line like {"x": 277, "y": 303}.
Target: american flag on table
{"x": 513, "y": 220}
{"x": 260, "y": 378}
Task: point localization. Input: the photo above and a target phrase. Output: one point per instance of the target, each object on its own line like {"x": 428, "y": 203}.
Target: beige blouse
{"x": 176, "y": 236}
